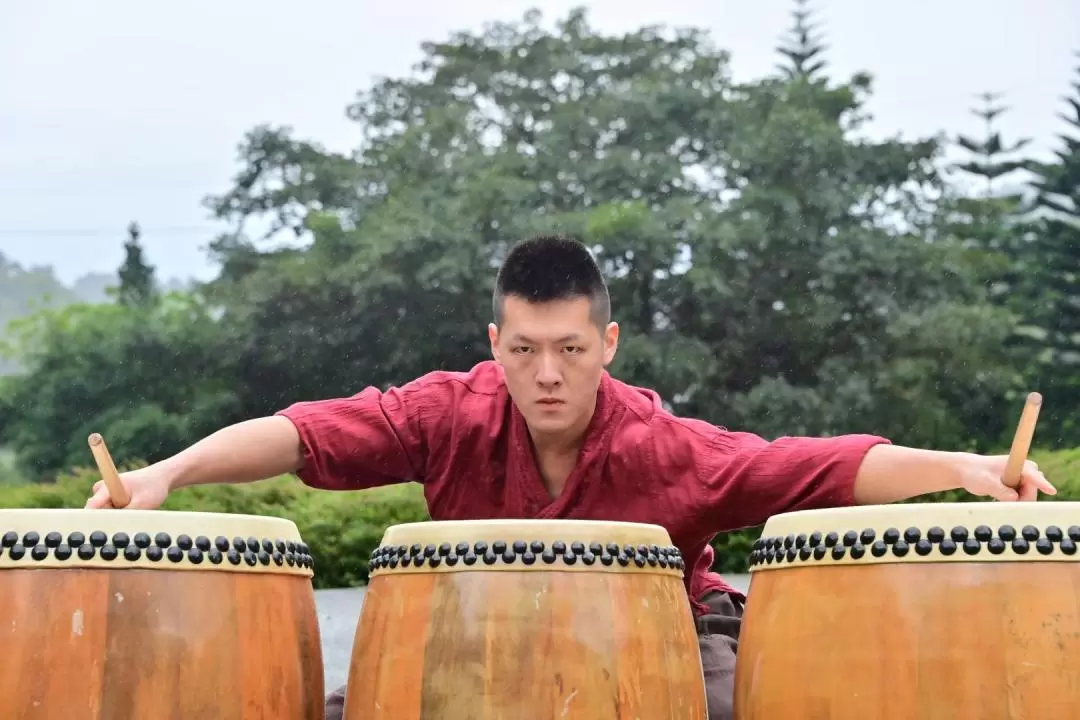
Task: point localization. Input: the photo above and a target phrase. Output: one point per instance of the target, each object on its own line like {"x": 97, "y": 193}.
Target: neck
{"x": 564, "y": 442}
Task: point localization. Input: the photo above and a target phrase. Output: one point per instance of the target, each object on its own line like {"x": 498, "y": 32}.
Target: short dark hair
{"x": 544, "y": 268}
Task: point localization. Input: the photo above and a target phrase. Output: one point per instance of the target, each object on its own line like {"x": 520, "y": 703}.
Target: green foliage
{"x": 151, "y": 379}
{"x": 24, "y": 291}
{"x": 343, "y": 528}
{"x": 772, "y": 269}
{"x": 1055, "y": 273}
{"x": 770, "y": 288}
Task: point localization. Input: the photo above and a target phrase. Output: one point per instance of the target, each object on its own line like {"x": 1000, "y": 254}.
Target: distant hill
{"x": 25, "y": 290}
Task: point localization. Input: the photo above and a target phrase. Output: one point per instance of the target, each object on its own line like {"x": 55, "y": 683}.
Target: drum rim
{"x": 979, "y": 531}
{"x": 150, "y": 521}
{"x": 531, "y": 522}
{"x": 124, "y": 512}
{"x": 527, "y": 529}
{"x": 928, "y": 514}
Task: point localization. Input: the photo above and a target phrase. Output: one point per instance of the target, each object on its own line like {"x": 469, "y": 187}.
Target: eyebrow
{"x": 518, "y": 337}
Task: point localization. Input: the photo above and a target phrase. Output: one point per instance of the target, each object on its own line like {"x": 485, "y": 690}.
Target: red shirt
{"x": 461, "y": 437}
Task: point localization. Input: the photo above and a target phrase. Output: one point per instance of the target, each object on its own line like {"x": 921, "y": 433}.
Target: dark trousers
{"x": 718, "y": 638}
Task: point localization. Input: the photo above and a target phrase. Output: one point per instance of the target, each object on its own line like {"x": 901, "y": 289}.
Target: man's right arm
{"x": 245, "y": 452}
{"x": 372, "y": 438}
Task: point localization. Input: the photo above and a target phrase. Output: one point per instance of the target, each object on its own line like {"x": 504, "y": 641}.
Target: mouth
{"x": 550, "y": 402}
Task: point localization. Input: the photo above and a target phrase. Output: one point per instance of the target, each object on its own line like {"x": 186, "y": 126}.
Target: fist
{"x": 984, "y": 475}
{"x": 148, "y": 487}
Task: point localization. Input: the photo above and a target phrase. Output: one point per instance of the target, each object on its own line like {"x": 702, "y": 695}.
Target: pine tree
{"x": 137, "y": 284}
{"x": 1059, "y": 185}
{"x": 1058, "y": 276}
{"x": 803, "y": 47}
{"x": 990, "y": 214}
{"x": 990, "y": 162}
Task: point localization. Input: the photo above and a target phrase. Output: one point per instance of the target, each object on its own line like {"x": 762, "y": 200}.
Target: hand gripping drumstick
{"x": 118, "y": 493}
{"x": 1022, "y": 440}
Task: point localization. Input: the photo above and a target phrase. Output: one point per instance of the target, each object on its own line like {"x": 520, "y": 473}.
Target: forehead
{"x": 557, "y": 318}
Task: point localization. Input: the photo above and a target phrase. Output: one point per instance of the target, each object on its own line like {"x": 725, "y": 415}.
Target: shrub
{"x": 342, "y": 529}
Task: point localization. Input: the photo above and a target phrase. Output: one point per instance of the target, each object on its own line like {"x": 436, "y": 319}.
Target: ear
{"x": 493, "y": 338}
{"x": 611, "y": 342}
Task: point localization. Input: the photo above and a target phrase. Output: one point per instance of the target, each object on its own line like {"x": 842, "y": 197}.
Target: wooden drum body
{"x": 491, "y": 620}
{"x": 123, "y": 614}
{"x": 965, "y": 611}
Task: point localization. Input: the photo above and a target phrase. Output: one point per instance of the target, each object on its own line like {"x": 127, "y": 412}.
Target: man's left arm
{"x": 736, "y": 479}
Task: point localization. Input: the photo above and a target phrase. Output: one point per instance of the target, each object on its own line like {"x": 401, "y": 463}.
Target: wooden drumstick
{"x": 1021, "y": 444}
{"x": 119, "y": 494}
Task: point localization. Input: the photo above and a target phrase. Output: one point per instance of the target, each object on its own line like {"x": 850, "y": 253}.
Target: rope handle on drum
{"x": 1021, "y": 444}
{"x": 118, "y": 494}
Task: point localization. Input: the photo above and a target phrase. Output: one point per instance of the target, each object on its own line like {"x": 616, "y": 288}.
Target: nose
{"x": 548, "y": 374}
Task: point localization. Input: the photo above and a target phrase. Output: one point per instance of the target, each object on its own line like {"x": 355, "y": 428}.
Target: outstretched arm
{"x": 889, "y": 473}
{"x": 372, "y": 438}
{"x": 245, "y": 452}
{"x": 740, "y": 480}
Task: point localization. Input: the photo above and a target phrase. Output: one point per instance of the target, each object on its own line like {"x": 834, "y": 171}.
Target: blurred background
{"x": 816, "y": 218}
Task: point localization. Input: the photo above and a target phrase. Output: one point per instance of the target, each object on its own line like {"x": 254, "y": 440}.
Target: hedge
{"x": 342, "y": 528}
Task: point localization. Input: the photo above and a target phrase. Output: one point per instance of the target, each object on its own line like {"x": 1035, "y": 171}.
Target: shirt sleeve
{"x": 737, "y": 480}
{"x": 371, "y": 439}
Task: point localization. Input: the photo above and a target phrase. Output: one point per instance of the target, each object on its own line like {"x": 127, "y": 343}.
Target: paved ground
{"x": 339, "y": 611}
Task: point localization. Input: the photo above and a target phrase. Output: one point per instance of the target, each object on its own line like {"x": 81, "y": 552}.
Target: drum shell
{"x": 969, "y": 635}
{"x": 128, "y": 641}
{"x": 502, "y": 641}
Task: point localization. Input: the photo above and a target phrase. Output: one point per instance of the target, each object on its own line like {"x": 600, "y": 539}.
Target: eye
{"x": 573, "y": 349}
{"x": 520, "y": 350}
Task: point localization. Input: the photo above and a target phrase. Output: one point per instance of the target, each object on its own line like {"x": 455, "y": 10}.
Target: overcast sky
{"x": 117, "y": 110}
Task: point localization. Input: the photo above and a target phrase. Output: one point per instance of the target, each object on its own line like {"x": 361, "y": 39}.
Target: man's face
{"x": 553, "y": 356}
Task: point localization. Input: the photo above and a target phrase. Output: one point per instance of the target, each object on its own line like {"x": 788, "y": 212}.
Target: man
{"x": 543, "y": 431}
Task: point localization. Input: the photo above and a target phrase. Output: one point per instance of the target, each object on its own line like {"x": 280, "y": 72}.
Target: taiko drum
{"x": 491, "y": 620}
{"x": 962, "y": 611}
{"x": 122, "y": 614}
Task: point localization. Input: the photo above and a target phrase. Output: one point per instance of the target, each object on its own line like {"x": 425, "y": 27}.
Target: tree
{"x": 825, "y": 306}
{"x": 152, "y": 379}
{"x": 1060, "y": 180}
{"x": 748, "y": 238}
{"x": 987, "y": 206}
{"x": 991, "y": 159}
{"x": 514, "y": 131}
{"x": 137, "y": 284}
{"x": 990, "y": 212}
{"x": 1057, "y": 314}
{"x": 24, "y": 291}
{"x": 803, "y": 48}
{"x": 771, "y": 270}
